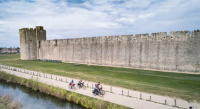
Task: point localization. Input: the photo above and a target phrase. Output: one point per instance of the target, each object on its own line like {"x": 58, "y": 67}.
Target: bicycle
{"x": 81, "y": 86}
{"x": 100, "y": 93}
{"x": 73, "y": 87}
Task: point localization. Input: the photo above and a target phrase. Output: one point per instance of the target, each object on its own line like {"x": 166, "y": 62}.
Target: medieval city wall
{"x": 178, "y": 51}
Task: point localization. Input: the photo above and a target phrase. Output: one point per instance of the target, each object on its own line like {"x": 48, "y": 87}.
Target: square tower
{"x": 28, "y": 41}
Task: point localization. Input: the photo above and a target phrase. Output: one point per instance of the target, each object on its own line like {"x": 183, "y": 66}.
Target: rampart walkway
{"x": 116, "y": 95}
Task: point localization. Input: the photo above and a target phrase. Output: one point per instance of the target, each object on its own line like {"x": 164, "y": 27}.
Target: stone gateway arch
{"x": 180, "y": 51}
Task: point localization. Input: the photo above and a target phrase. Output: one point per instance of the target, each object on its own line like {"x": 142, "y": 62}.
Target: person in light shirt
{"x": 80, "y": 82}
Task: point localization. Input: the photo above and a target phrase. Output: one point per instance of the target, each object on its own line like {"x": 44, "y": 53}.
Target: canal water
{"x": 35, "y": 100}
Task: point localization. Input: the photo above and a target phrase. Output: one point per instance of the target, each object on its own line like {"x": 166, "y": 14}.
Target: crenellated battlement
{"x": 39, "y": 28}
{"x": 161, "y": 36}
{"x": 32, "y": 29}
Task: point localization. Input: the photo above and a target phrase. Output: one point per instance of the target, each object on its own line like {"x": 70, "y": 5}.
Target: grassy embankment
{"x": 6, "y": 102}
{"x": 85, "y": 101}
{"x": 184, "y": 86}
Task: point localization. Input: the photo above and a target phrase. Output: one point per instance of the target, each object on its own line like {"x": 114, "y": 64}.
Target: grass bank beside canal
{"x": 176, "y": 85}
{"x": 6, "y": 102}
{"x": 85, "y": 101}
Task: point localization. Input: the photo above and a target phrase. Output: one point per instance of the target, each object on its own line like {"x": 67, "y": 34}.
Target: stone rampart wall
{"x": 179, "y": 51}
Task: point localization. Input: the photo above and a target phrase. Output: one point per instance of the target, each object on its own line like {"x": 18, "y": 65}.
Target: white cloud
{"x": 64, "y": 19}
{"x": 144, "y": 16}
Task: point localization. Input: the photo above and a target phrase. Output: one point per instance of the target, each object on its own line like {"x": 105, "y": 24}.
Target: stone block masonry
{"x": 180, "y": 51}
{"x": 28, "y": 42}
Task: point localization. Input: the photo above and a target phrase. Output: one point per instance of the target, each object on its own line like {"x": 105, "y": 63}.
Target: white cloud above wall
{"x": 88, "y": 18}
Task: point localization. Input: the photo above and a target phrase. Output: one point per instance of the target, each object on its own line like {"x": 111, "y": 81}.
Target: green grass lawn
{"x": 184, "y": 86}
{"x": 3, "y": 106}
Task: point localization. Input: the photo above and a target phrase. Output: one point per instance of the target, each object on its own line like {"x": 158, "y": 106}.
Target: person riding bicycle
{"x": 71, "y": 83}
{"x": 80, "y": 83}
{"x": 98, "y": 86}
{"x": 95, "y": 88}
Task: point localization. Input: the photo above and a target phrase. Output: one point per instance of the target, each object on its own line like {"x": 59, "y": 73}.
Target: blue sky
{"x": 88, "y": 18}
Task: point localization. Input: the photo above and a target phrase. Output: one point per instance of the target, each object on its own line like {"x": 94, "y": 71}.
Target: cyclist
{"x": 80, "y": 83}
{"x": 98, "y": 87}
{"x": 95, "y": 88}
{"x": 71, "y": 83}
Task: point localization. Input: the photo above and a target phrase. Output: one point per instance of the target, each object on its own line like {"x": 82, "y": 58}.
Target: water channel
{"x": 35, "y": 100}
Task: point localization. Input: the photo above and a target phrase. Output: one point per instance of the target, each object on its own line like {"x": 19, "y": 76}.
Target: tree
{"x": 1, "y": 49}
{"x": 18, "y": 49}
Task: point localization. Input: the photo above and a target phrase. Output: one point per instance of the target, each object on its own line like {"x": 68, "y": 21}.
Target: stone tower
{"x": 28, "y": 41}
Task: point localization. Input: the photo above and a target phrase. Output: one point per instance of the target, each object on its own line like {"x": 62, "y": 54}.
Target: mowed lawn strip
{"x": 184, "y": 86}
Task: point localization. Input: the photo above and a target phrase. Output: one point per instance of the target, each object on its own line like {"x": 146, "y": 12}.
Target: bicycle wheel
{"x": 84, "y": 87}
{"x": 74, "y": 88}
{"x": 102, "y": 92}
{"x": 93, "y": 93}
{"x": 69, "y": 86}
{"x": 79, "y": 86}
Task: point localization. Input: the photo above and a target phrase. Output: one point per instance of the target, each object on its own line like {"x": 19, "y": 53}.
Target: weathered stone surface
{"x": 180, "y": 51}
{"x": 30, "y": 42}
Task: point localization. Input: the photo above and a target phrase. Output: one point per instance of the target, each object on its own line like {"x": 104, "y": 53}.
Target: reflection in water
{"x": 35, "y": 100}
